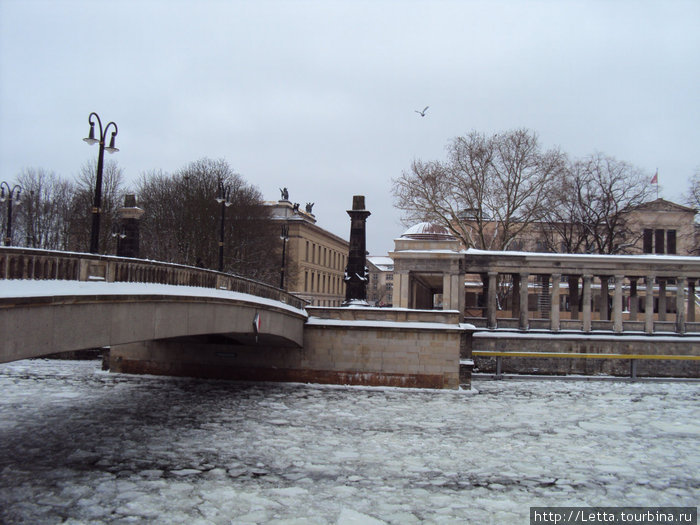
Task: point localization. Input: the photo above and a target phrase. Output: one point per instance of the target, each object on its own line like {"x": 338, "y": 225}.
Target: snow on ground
{"x": 78, "y": 445}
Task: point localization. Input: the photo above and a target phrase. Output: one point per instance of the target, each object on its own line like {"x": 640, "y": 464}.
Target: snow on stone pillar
{"x": 356, "y": 273}
{"x": 649, "y": 304}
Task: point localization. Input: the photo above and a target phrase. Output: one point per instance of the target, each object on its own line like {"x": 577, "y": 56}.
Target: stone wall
{"x": 352, "y": 346}
{"x": 631, "y": 345}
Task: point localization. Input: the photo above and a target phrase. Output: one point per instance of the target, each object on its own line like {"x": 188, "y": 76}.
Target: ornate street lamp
{"x": 223, "y": 197}
{"x": 12, "y": 195}
{"x": 285, "y": 237}
{"x": 96, "y": 207}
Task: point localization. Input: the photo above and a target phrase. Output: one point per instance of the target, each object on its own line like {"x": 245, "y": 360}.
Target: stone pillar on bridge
{"x": 587, "y": 303}
{"x": 128, "y": 229}
{"x": 356, "y": 274}
{"x": 649, "y": 304}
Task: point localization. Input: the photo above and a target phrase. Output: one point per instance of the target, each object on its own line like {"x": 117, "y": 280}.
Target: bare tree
{"x": 490, "y": 189}
{"x": 182, "y": 221}
{"x": 693, "y": 198}
{"x": 80, "y": 208}
{"x": 607, "y": 190}
{"x": 43, "y": 218}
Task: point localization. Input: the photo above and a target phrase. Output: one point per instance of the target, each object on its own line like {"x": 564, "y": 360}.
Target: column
{"x": 573, "y": 295}
{"x": 690, "y": 317}
{"x": 662, "y": 299}
{"x": 649, "y": 304}
{"x": 523, "y": 322}
{"x": 680, "y": 304}
{"x": 544, "y": 296}
{"x": 515, "y": 296}
{"x": 554, "y": 308}
{"x": 587, "y": 302}
{"x": 617, "y": 304}
{"x": 491, "y": 301}
{"x": 634, "y": 299}
{"x": 604, "y": 297}
{"x": 355, "y": 271}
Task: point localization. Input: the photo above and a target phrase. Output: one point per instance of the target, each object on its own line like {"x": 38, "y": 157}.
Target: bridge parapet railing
{"x": 34, "y": 264}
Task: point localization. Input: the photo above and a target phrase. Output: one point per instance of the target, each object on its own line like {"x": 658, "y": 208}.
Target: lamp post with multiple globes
{"x": 97, "y": 203}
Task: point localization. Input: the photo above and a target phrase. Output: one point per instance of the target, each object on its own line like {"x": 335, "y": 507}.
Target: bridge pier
{"x": 350, "y": 346}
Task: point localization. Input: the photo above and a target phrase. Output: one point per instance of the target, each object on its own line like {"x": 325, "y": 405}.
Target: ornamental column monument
{"x": 356, "y": 274}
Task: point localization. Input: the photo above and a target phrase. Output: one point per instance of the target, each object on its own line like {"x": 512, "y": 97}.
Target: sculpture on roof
{"x": 285, "y": 194}
{"x": 309, "y": 207}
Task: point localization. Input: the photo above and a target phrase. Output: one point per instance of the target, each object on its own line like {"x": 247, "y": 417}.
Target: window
{"x": 671, "y": 241}
{"x": 648, "y": 240}
{"x": 306, "y": 279}
{"x": 659, "y": 241}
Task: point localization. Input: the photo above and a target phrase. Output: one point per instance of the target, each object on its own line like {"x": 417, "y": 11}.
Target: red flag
{"x": 655, "y": 178}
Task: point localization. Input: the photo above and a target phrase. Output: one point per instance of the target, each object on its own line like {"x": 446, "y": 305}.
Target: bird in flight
{"x": 422, "y": 113}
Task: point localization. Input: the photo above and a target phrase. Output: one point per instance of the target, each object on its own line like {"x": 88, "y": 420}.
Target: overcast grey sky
{"x": 320, "y": 96}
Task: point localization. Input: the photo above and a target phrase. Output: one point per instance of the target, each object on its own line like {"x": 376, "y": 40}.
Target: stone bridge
{"x": 55, "y": 302}
{"x": 161, "y": 318}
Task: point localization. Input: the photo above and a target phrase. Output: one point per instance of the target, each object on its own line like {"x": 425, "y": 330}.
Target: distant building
{"x": 381, "y": 280}
{"x": 315, "y": 258}
{"x": 665, "y": 228}
{"x": 657, "y": 226}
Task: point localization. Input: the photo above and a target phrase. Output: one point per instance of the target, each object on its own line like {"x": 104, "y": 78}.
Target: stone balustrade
{"x": 28, "y": 263}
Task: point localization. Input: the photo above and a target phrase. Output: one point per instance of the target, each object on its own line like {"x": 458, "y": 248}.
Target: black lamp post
{"x": 11, "y": 195}
{"x": 224, "y": 198}
{"x": 285, "y": 237}
{"x": 96, "y": 207}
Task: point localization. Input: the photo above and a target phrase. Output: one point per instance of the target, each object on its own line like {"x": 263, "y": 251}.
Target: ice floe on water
{"x": 78, "y": 445}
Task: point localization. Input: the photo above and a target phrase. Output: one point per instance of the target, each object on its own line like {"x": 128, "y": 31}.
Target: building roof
{"x": 383, "y": 263}
{"x": 663, "y": 205}
{"x": 428, "y": 231}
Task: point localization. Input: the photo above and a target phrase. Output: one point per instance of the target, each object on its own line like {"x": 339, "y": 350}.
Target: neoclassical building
{"x": 315, "y": 258}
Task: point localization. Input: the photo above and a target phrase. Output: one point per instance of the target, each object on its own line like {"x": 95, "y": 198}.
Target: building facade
{"x": 314, "y": 258}
{"x": 380, "y": 291}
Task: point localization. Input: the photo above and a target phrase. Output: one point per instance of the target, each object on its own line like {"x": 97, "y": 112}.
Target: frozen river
{"x": 78, "y": 445}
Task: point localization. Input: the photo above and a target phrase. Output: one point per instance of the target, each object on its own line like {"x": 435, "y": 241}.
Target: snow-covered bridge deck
{"x": 55, "y": 301}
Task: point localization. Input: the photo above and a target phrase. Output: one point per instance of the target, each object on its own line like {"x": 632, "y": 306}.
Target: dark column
{"x": 356, "y": 274}
{"x": 634, "y": 299}
{"x": 662, "y": 298}
{"x": 515, "y": 296}
{"x": 573, "y": 295}
{"x": 690, "y": 317}
{"x": 128, "y": 231}
{"x": 604, "y": 307}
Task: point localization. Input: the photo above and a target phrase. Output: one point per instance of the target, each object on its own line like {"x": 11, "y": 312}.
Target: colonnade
{"x": 684, "y": 300}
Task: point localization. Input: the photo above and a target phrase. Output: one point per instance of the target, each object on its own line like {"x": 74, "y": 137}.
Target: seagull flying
{"x": 422, "y": 113}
